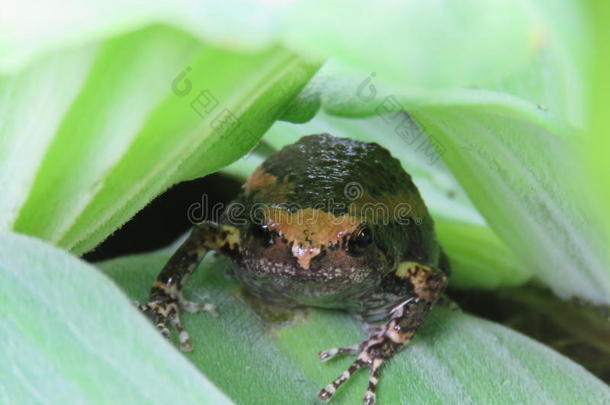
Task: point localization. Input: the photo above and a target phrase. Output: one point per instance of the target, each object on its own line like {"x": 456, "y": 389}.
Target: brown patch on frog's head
{"x": 258, "y": 180}
{"x": 264, "y": 186}
{"x": 310, "y": 231}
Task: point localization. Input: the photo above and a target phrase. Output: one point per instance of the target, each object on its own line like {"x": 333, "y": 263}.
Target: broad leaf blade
{"x": 525, "y": 179}
{"x": 70, "y": 336}
{"x": 370, "y": 37}
{"x": 479, "y": 259}
{"x": 428, "y": 45}
{"x": 455, "y": 358}
{"x": 137, "y": 127}
{"x": 598, "y": 86}
{"x": 47, "y": 90}
{"x": 127, "y": 80}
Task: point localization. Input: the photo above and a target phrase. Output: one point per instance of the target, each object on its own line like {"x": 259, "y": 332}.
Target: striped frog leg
{"x": 384, "y": 341}
{"x": 166, "y": 298}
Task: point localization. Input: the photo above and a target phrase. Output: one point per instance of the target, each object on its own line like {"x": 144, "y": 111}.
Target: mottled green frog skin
{"x": 328, "y": 222}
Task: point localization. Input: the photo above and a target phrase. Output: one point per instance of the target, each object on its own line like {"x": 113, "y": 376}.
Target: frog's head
{"x": 313, "y": 244}
{"x": 332, "y": 210}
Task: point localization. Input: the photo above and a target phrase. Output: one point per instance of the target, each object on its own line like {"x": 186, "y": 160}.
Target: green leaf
{"x": 48, "y": 90}
{"x": 455, "y": 358}
{"x": 370, "y": 37}
{"x": 523, "y": 175}
{"x": 550, "y": 73}
{"x": 598, "y": 92}
{"x": 133, "y": 127}
{"x": 479, "y": 258}
{"x": 380, "y": 37}
{"x": 70, "y": 336}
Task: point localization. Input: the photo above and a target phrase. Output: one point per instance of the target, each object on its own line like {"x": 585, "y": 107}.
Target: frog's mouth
{"x": 284, "y": 282}
{"x": 272, "y": 270}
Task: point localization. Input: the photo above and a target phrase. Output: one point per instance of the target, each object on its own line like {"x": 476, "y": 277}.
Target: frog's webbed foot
{"x": 165, "y": 313}
{"x": 164, "y": 309}
{"x": 384, "y": 341}
{"x": 165, "y": 295}
{"x": 371, "y": 353}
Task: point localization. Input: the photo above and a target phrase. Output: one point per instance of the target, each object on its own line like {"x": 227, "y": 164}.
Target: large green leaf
{"x": 131, "y": 129}
{"x": 479, "y": 258}
{"x": 48, "y": 90}
{"x": 70, "y": 336}
{"x": 370, "y": 37}
{"x": 551, "y": 76}
{"x": 524, "y": 177}
{"x": 425, "y": 45}
{"x": 260, "y": 356}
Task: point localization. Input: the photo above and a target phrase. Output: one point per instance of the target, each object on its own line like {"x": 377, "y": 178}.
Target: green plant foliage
{"x": 129, "y": 132}
{"x": 479, "y": 259}
{"x": 373, "y": 36}
{"x": 597, "y": 139}
{"x": 104, "y": 105}
{"x": 455, "y": 34}
{"x": 120, "y": 164}
{"x": 257, "y": 354}
{"x": 526, "y": 181}
{"x": 70, "y": 336}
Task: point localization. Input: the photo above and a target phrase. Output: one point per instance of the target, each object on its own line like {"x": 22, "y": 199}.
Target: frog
{"x": 328, "y": 222}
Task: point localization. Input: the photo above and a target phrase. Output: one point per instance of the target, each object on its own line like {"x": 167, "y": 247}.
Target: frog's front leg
{"x": 166, "y": 298}
{"x": 403, "y": 320}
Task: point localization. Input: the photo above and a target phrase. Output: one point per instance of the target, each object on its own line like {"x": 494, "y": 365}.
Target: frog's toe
{"x": 183, "y": 336}
{"x": 166, "y": 313}
{"x": 328, "y": 354}
{"x": 164, "y": 330}
{"x": 327, "y": 392}
{"x": 365, "y": 359}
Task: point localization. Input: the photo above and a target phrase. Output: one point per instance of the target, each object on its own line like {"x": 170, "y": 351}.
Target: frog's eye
{"x": 261, "y": 233}
{"x": 358, "y": 243}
